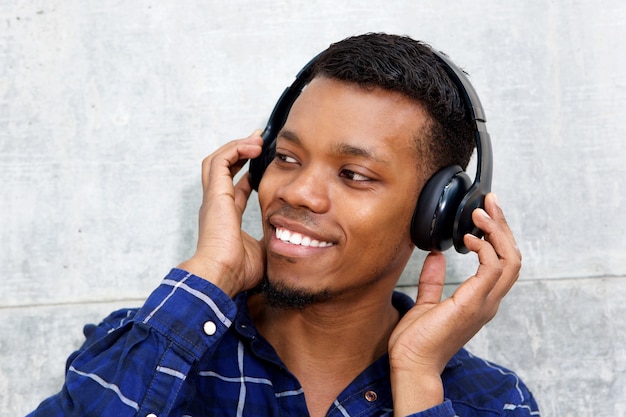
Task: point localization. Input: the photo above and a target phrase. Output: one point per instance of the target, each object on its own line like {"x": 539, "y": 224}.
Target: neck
{"x": 329, "y": 336}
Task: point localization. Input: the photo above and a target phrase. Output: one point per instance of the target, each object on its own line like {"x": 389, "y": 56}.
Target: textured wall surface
{"x": 107, "y": 109}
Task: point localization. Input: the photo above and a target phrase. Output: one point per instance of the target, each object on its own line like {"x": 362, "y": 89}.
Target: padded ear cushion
{"x": 433, "y": 219}
{"x": 260, "y": 163}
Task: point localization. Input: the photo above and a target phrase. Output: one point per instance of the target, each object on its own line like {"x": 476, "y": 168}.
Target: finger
{"x": 432, "y": 278}
{"x": 492, "y": 207}
{"x": 498, "y": 234}
{"x": 490, "y": 284}
{"x": 498, "y": 255}
{"x": 507, "y": 249}
{"x": 229, "y": 158}
{"x": 490, "y": 267}
{"x": 243, "y": 189}
{"x": 254, "y": 140}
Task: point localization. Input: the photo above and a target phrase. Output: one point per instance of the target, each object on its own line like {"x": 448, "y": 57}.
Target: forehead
{"x": 374, "y": 105}
{"x": 347, "y": 116}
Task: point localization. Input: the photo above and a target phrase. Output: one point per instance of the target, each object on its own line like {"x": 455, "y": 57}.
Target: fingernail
{"x": 257, "y": 132}
{"x": 483, "y": 213}
{"x": 495, "y": 199}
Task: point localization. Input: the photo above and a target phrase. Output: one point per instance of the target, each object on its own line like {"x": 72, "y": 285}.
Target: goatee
{"x": 280, "y": 296}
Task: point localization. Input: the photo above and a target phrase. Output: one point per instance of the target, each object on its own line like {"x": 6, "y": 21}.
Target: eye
{"x": 353, "y": 176}
{"x": 281, "y": 157}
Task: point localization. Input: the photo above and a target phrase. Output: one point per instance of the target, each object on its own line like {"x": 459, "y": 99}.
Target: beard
{"x": 279, "y": 295}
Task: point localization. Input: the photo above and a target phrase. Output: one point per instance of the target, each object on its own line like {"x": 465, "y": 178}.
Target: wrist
{"x": 415, "y": 390}
{"x": 216, "y": 275}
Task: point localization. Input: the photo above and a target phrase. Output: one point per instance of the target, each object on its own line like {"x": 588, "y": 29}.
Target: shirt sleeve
{"x": 446, "y": 409}
{"x": 442, "y": 410}
{"x": 137, "y": 362}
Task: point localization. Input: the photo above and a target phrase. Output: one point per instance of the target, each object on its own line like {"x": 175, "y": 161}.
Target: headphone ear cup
{"x": 433, "y": 219}
{"x": 463, "y": 223}
{"x": 276, "y": 121}
{"x": 260, "y": 163}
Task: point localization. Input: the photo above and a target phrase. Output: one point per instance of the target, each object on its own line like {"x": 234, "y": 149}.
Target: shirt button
{"x": 209, "y": 329}
{"x": 151, "y": 415}
{"x": 371, "y": 396}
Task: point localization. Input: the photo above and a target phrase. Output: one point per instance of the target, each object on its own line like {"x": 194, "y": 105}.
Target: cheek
{"x": 383, "y": 241}
{"x": 264, "y": 192}
{"x": 388, "y": 220}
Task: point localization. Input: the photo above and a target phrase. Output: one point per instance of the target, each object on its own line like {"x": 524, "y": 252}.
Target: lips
{"x": 300, "y": 239}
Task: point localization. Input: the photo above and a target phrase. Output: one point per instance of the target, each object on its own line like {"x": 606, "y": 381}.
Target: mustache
{"x": 298, "y": 215}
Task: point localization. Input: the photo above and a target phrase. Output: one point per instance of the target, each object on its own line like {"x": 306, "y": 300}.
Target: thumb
{"x": 432, "y": 278}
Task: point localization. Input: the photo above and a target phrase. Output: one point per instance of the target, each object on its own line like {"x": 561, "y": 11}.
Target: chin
{"x": 282, "y": 296}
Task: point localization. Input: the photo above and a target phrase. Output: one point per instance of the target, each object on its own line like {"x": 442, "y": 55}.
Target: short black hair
{"x": 402, "y": 64}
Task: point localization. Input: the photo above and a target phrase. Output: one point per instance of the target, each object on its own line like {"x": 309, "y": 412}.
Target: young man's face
{"x": 338, "y": 198}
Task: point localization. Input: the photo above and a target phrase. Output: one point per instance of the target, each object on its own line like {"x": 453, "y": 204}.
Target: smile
{"x": 296, "y": 238}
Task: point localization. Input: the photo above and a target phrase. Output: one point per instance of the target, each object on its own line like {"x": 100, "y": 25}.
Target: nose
{"x": 308, "y": 188}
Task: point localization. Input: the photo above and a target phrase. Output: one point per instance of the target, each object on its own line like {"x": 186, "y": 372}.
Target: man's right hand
{"x": 226, "y": 255}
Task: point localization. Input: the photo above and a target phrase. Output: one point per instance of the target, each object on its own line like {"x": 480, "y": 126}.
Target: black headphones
{"x": 443, "y": 214}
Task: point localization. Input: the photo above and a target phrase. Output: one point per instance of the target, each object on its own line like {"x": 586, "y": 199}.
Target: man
{"x": 306, "y": 321}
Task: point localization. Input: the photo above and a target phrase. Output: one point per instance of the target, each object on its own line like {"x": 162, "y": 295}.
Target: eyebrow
{"x": 340, "y": 149}
{"x": 289, "y": 136}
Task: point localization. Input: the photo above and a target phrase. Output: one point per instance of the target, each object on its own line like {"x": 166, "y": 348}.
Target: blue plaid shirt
{"x": 192, "y": 351}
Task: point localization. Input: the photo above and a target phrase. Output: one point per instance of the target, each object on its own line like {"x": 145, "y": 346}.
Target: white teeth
{"x": 296, "y": 238}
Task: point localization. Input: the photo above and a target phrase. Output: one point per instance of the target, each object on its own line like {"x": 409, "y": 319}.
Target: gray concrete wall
{"x": 107, "y": 109}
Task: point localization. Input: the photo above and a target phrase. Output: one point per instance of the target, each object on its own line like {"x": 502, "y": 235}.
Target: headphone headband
{"x": 484, "y": 169}
{"x": 276, "y": 121}
{"x": 475, "y": 196}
